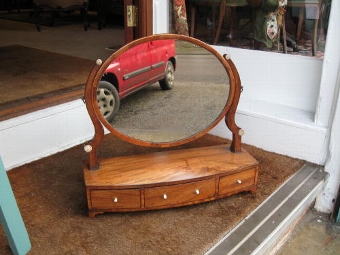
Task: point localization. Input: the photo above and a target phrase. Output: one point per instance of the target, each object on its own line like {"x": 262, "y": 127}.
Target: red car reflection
{"x": 141, "y": 65}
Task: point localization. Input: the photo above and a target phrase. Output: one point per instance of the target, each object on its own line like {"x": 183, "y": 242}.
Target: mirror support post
{"x": 230, "y": 116}
{"x": 90, "y": 93}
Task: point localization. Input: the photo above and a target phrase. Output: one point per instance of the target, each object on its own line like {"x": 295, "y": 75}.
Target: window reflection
{"x": 293, "y": 26}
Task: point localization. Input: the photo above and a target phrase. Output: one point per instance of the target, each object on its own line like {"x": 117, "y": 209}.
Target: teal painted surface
{"x": 10, "y": 217}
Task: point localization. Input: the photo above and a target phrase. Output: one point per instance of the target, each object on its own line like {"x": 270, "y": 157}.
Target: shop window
{"x": 285, "y": 26}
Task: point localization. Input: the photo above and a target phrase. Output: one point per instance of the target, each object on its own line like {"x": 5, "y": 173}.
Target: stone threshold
{"x": 264, "y": 230}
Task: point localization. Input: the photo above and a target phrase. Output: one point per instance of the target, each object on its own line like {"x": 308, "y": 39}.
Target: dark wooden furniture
{"x": 58, "y": 6}
{"x": 16, "y": 5}
{"x": 233, "y": 4}
{"x": 172, "y": 178}
{"x": 314, "y": 7}
{"x": 221, "y": 5}
{"x": 193, "y": 4}
{"x": 104, "y": 7}
{"x": 168, "y": 179}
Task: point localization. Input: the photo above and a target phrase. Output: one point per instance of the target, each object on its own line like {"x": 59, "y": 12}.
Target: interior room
{"x": 44, "y": 129}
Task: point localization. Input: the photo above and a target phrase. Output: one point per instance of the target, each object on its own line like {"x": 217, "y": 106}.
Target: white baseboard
{"x": 42, "y": 133}
{"x": 275, "y": 128}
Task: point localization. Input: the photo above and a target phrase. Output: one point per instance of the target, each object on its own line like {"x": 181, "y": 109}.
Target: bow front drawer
{"x": 238, "y": 181}
{"x": 108, "y": 199}
{"x": 180, "y": 194}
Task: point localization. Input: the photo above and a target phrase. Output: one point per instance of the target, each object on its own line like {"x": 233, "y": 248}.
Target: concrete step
{"x": 263, "y": 230}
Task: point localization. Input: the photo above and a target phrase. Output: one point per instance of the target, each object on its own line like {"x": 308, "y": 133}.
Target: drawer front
{"x": 109, "y": 199}
{"x": 179, "y": 194}
{"x": 231, "y": 183}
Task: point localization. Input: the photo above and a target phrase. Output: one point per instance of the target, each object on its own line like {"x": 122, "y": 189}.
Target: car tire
{"x": 169, "y": 78}
{"x": 108, "y": 100}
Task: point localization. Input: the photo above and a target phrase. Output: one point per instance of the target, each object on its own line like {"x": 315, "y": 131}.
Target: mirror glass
{"x": 188, "y": 91}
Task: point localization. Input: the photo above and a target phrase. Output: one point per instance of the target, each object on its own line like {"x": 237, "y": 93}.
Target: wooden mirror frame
{"x": 166, "y": 179}
{"x": 98, "y": 120}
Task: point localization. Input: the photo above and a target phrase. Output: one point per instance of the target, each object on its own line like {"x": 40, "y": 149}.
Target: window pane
{"x": 295, "y": 26}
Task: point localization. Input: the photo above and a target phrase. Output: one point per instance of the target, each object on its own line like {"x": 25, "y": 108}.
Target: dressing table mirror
{"x": 164, "y": 91}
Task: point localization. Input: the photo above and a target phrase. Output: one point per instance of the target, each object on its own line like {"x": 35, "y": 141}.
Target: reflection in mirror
{"x": 190, "y": 97}
{"x": 245, "y": 23}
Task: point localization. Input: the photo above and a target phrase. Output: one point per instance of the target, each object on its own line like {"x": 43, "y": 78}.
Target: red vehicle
{"x": 141, "y": 65}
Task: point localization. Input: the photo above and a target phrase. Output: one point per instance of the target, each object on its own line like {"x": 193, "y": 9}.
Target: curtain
{"x": 180, "y": 17}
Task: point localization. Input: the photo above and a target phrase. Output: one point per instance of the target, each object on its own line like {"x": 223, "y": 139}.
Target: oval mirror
{"x": 162, "y": 90}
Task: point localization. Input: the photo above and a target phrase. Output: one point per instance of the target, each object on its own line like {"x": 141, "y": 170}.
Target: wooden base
{"x": 168, "y": 179}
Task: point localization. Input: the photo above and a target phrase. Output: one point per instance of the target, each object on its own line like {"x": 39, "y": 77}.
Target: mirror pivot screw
{"x": 241, "y": 132}
{"x": 87, "y": 148}
{"x": 227, "y": 56}
{"x": 99, "y": 62}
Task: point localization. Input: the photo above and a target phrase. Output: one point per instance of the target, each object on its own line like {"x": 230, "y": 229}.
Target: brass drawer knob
{"x": 115, "y": 200}
{"x": 197, "y": 191}
{"x": 165, "y": 196}
{"x": 239, "y": 181}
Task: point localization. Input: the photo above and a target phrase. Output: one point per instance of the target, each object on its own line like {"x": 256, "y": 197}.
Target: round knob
{"x": 197, "y": 191}
{"x": 227, "y": 56}
{"x": 165, "y": 196}
{"x": 87, "y": 148}
{"x": 241, "y": 132}
{"x": 115, "y": 200}
{"x": 239, "y": 181}
{"x": 99, "y": 62}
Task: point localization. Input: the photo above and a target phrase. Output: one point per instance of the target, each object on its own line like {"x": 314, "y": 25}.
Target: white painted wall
{"x": 161, "y": 16}
{"x": 277, "y": 111}
{"x": 42, "y": 133}
{"x": 277, "y": 78}
{"x": 328, "y": 111}
{"x": 329, "y": 84}
{"x": 325, "y": 202}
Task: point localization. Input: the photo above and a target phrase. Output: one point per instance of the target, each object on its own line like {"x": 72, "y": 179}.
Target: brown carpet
{"x": 26, "y": 72}
{"x": 51, "y": 196}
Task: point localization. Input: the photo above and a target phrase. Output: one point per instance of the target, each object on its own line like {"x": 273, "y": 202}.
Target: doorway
{"x": 137, "y": 19}
{"x": 68, "y": 40}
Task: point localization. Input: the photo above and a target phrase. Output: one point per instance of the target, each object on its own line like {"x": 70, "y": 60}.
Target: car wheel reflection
{"x": 108, "y": 100}
{"x": 169, "y": 78}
